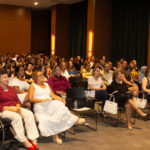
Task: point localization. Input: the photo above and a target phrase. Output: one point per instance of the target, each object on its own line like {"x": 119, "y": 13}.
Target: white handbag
{"x": 111, "y": 106}
{"x": 140, "y": 102}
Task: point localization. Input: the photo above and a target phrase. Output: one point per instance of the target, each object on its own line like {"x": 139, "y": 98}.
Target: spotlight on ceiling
{"x": 36, "y": 3}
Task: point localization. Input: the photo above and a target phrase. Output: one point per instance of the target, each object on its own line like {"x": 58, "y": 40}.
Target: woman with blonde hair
{"x": 50, "y": 110}
{"x": 124, "y": 96}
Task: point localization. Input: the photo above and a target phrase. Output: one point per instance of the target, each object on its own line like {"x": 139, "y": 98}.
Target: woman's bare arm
{"x": 31, "y": 96}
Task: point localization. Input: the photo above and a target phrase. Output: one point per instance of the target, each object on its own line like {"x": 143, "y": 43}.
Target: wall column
{"x": 90, "y": 28}
{"x": 53, "y": 30}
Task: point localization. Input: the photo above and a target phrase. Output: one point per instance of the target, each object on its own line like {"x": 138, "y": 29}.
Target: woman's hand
{"x": 47, "y": 99}
{"x": 63, "y": 100}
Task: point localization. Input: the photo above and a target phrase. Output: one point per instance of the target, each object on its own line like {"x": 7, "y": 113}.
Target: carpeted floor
{"x": 105, "y": 138}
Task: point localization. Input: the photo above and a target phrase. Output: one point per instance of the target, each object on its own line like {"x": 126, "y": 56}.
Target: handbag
{"x": 140, "y": 102}
{"x": 111, "y": 106}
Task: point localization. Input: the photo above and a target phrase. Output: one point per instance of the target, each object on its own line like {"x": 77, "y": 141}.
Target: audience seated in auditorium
{"x": 123, "y": 66}
{"x": 117, "y": 66}
{"x": 87, "y": 71}
{"x": 146, "y": 84}
{"x": 21, "y": 86}
{"x": 64, "y": 71}
{"x": 52, "y": 114}
{"x": 72, "y": 70}
{"x": 10, "y": 108}
{"x": 95, "y": 83}
{"x": 124, "y": 96}
{"x": 28, "y": 72}
{"x": 142, "y": 73}
{"x": 106, "y": 74}
{"x": 77, "y": 63}
{"x": 43, "y": 70}
{"x": 127, "y": 78}
{"x": 58, "y": 83}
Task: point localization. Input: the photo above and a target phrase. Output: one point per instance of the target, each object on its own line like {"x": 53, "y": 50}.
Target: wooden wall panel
{"x": 103, "y": 28}
{"x": 15, "y": 29}
{"x": 90, "y": 27}
{"x": 63, "y": 30}
{"x": 40, "y": 31}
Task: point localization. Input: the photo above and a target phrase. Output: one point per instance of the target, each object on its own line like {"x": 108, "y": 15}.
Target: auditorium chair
{"x": 76, "y": 96}
{"x": 7, "y": 140}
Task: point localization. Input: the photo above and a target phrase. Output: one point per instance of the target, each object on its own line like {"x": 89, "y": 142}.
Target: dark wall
{"x": 40, "y": 31}
{"x": 103, "y": 28}
{"x": 15, "y": 29}
{"x": 62, "y": 30}
{"x": 130, "y": 30}
{"x": 78, "y": 29}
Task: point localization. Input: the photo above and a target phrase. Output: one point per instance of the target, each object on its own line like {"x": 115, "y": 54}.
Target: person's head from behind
{"x": 117, "y": 75}
{"x": 19, "y": 71}
{"x": 96, "y": 72}
{"x": 3, "y": 77}
{"x": 56, "y": 71}
{"x": 38, "y": 77}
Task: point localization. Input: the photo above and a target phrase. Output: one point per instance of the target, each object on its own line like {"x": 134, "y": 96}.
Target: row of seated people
{"x": 58, "y": 85}
{"x": 50, "y": 110}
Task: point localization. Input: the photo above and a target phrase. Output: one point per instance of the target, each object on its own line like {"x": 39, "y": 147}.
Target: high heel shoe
{"x": 35, "y": 146}
{"x": 57, "y": 140}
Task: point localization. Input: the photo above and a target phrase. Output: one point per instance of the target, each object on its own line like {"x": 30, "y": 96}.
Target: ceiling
{"x": 42, "y": 3}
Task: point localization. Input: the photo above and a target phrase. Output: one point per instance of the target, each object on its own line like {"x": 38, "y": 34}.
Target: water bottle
{"x": 75, "y": 104}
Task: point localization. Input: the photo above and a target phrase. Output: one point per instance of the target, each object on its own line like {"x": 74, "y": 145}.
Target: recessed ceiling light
{"x": 36, "y": 3}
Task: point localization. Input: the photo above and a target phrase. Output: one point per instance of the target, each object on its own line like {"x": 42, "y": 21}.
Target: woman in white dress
{"x": 21, "y": 86}
{"x": 50, "y": 110}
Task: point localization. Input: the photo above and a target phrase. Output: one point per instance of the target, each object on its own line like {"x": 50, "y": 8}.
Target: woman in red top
{"x": 10, "y": 108}
{"x": 58, "y": 83}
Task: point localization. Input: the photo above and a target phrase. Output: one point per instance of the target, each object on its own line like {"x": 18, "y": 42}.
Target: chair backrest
{"x": 77, "y": 82}
{"x": 75, "y": 93}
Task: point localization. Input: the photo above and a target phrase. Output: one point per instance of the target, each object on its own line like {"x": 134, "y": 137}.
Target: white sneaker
{"x": 81, "y": 121}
